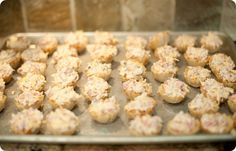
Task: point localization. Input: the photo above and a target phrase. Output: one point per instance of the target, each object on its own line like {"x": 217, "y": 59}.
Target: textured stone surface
{"x": 137, "y": 147}
{"x": 147, "y": 15}
{"x": 31, "y": 147}
{"x": 149, "y": 147}
{"x": 10, "y": 17}
{"x": 48, "y": 15}
{"x": 198, "y": 14}
{"x": 98, "y": 14}
{"x": 228, "y": 21}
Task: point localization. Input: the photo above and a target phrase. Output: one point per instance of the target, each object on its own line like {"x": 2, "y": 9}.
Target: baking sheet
{"x": 116, "y": 132}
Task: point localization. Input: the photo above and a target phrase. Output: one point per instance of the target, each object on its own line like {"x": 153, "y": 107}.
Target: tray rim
{"x": 145, "y": 33}
{"x": 53, "y": 139}
{"x": 116, "y": 33}
{"x": 106, "y": 139}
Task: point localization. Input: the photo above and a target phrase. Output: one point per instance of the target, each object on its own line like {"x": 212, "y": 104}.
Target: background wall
{"x": 116, "y": 15}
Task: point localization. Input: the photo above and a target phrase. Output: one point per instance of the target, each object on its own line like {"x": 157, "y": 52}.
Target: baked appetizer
{"x": 167, "y": 53}
{"x": 136, "y": 87}
{"x": 29, "y": 99}
{"x": 183, "y": 124}
{"x": 102, "y": 53}
{"x": 64, "y": 51}
{"x": 34, "y": 54}
{"x": 32, "y": 67}
{"x": 31, "y": 82}
{"x": 69, "y": 62}
{"x": 195, "y": 75}
{"x": 216, "y": 123}
{"x": 104, "y": 111}
{"x": 65, "y": 77}
{"x": 141, "y": 105}
{"x": 130, "y": 69}
{"x": 11, "y": 57}
{"x": 163, "y": 70}
{"x": 48, "y": 43}
{"x": 183, "y": 42}
{"x": 212, "y": 42}
{"x": 62, "y": 97}
{"x": 196, "y": 56}
{"x": 158, "y": 40}
{"x": 6, "y": 72}
{"x": 60, "y": 122}
{"x": 27, "y": 121}
{"x": 145, "y": 125}
{"x": 173, "y": 90}
{"x": 219, "y": 61}
{"x": 76, "y": 40}
{"x": 135, "y": 42}
{"x": 96, "y": 88}
{"x": 3, "y": 99}
{"x": 227, "y": 77}
{"x": 232, "y": 103}
{"x": 215, "y": 90}
{"x": 138, "y": 54}
{"x": 17, "y": 42}
{"x": 201, "y": 105}
{"x": 105, "y": 38}
{"x": 101, "y": 70}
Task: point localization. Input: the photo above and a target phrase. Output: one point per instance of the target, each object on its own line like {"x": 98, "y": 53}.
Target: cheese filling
{"x": 197, "y": 73}
{"x": 96, "y": 88}
{"x": 137, "y": 86}
{"x": 216, "y": 90}
{"x": 130, "y": 69}
{"x": 141, "y": 103}
{"x": 167, "y": 53}
{"x": 174, "y": 87}
{"x": 198, "y": 54}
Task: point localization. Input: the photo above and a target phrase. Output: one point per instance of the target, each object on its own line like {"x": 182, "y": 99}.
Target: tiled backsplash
{"x": 46, "y": 15}
{"x": 116, "y": 15}
{"x": 97, "y": 14}
{"x": 11, "y": 17}
{"x": 147, "y": 15}
{"x": 198, "y": 14}
{"x": 228, "y": 21}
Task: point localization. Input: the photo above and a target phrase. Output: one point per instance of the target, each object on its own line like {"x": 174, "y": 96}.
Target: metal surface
{"x": 116, "y": 132}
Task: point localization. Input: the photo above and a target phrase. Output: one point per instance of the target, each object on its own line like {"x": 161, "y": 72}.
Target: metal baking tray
{"x": 116, "y": 132}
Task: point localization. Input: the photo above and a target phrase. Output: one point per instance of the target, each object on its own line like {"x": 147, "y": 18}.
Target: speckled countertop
{"x": 161, "y": 147}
